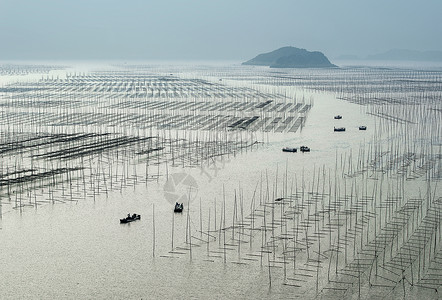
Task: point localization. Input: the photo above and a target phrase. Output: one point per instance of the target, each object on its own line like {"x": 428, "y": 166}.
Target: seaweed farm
{"x": 357, "y": 217}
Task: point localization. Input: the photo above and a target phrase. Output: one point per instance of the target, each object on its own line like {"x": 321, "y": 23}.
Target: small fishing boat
{"x": 178, "y": 207}
{"x": 338, "y": 128}
{"x": 338, "y": 117}
{"x": 130, "y": 218}
{"x": 304, "y": 149}
{"x": 289, "y": 149}
{"x": 362, "y": 127}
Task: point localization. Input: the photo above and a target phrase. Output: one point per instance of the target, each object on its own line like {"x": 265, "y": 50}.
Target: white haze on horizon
{"x": 209, "y": 30}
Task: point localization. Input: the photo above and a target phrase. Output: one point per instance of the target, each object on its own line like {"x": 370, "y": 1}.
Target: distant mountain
{"x": 348, "y": 57}
{"x": 410, "y": 55}
{"x": 291, "y": 57}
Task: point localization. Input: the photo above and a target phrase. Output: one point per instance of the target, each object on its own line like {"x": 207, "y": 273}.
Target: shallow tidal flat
{"x": 357, "y": 216}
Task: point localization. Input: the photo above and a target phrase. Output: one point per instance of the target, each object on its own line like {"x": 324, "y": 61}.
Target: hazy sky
{"x": 213, "y": 29}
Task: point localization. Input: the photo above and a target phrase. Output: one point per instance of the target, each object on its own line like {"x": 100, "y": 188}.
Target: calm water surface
{"x": 78, "y": 250}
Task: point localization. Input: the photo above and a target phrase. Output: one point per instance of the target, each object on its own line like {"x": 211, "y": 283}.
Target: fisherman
{"x": 128, "y": 216}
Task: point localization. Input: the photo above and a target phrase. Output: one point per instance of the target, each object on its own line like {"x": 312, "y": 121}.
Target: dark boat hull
{"x": 305, "y": 149}
{"x": 178, "y": 208}
{"x": 130, "y": 219}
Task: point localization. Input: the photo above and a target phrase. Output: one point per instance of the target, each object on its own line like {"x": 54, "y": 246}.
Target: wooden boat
{"x": 362, "y": 127}
{"x": 289, "y": 149}
{"x": 338, "y": 117}
{"x": 178, "y": 207}
{"x": 304, "y": 149}
{"x": 130, "y": 218}
{"x": 338, "y": 128}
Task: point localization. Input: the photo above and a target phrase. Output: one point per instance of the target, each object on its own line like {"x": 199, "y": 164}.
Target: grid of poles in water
{"x": 26, "y": 69}
{"x": 334, "y": 235}
{"x": 369, "y": 224}
{"x": 88, "y": 133}
{"x": 49, "y": 168}
{"x": 124, "y": 99}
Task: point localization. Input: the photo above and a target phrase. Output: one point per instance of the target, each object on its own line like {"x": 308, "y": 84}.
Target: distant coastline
{"x": 397, "y": 55}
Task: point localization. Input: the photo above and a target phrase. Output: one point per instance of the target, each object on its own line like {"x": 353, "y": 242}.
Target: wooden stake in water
{"x": 208, "y": 236}
{"x": 153, "y": 229}
{"x": 224, "y": 223}
{"x": 173, "y": 225}
{"x": 190, "y": 232}
{"x": 201, "y": 220}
